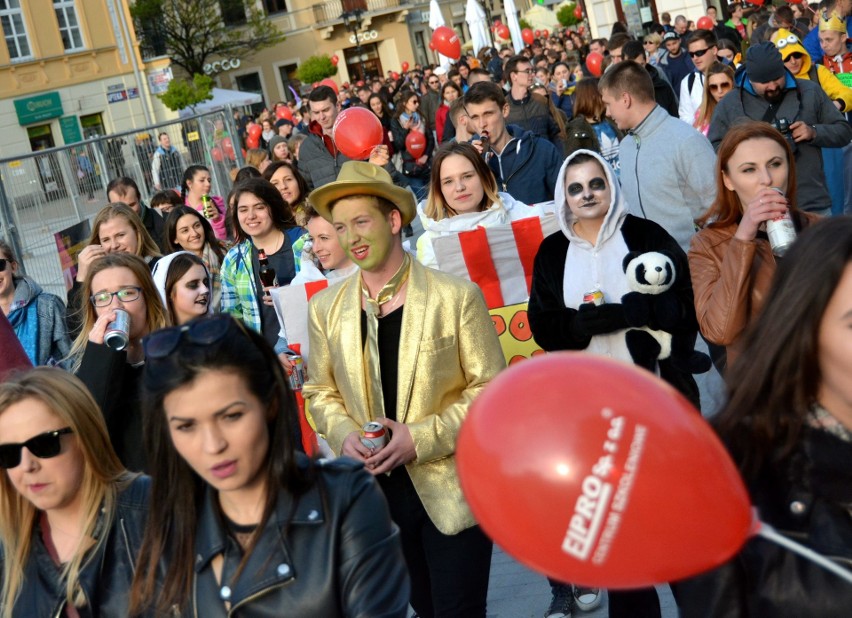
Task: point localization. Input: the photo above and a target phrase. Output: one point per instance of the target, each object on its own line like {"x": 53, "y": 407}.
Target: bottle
{"x": 207, "y": 207}
{"x": 267, "y": 273}
{"x": 781, "y": 231}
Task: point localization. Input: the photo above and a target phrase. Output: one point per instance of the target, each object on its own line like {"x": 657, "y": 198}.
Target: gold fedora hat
{"x": 362, "y": 178}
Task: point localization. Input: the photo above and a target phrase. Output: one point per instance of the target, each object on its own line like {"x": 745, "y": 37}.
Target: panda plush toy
{"x": 654, "y": 312}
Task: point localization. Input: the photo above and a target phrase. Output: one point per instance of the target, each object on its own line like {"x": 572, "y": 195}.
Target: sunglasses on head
{"x": 43, "y": 446}
{"x": 205, "y": 331}
{"x": 698, "y": 53}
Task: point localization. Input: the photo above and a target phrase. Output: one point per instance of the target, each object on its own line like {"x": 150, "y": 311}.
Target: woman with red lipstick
{"x": 252, "y": 528}
{"x": 463, "y": 196}
{"x": 71, "y": 516}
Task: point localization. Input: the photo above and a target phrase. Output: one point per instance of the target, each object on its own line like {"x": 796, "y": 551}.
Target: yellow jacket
{"x": 448, "y": 353}
{"x": 789, "y": 43}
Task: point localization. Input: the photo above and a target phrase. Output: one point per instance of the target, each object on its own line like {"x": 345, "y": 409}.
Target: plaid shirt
{"x": 239, "y": 292}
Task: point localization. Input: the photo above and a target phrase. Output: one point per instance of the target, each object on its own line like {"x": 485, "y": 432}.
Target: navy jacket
{"x": 527, "y": 167}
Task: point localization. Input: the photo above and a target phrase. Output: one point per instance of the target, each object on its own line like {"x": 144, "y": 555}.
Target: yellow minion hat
{"x": 830, "y": 21}
{"x": 787, "y": 43}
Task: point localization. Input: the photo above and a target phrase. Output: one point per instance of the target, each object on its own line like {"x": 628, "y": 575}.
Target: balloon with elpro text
{"x": 356, "y": 131}
{"x": 447, "y": 42}
{"x": 619, "y": 483}
{"x": 415, "y": 144}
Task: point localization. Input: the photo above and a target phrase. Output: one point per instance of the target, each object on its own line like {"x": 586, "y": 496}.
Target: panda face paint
{"x": 587, "y": 192}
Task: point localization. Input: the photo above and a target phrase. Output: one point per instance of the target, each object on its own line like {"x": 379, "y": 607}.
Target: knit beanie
{"x": 764, "y": 63}
{"x": 274, "y": 141}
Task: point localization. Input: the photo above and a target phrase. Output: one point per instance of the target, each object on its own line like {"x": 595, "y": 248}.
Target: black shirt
{"x": 390, "y": 330}
{"x": 284, "y": 264}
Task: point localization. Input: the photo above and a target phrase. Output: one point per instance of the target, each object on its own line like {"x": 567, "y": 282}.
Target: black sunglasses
{"x": 206, "y": 331}
{"x": 699, "y": 53}
{"x": 43, "y": 446}
{"x": 796, "y": 55}
{"x": 3, "y": 265}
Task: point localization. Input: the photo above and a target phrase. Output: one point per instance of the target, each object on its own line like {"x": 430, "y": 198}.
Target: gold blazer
{"x": 448, "y": 352}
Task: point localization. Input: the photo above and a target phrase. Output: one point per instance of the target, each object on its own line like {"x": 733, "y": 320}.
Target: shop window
{"x": 275, "y": 6}
{"x": 250, "y": 82}
{"x": 152, "y": 40}
{"x": 93, "y": 126}
{"x": 289, "y": 80}
{"x": 69, "y": 28}
{"x": 14, "y": 30}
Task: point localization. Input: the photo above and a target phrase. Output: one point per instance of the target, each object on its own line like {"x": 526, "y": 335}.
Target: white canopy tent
{"x": 478, "y": 25}
{"x": 221, "y": 98}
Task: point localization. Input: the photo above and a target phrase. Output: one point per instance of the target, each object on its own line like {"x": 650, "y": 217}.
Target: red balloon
{"x": 253, "y": 142}
{"x": 228, "y": 148}
{"x": 415, "y": 144}
{"x": 335, "y": 59}
{"x": 447, "y": 42}
{"x": 578, "y": 12}
{"x": 704, "y": 23}
{"x": 545, "y": 33}
{"x": 617, "y": 477}
{"x": 581, "y": 29}
{"x": 527, "y": 36}
{"x": 394, "y": 75}
{"x": 255, "y": 130}
{"x": 432, "y": 45}
{"x": 503, "y": 31}
{"x": 356, "y": 132}
{"x": 283, "y": 112}
{"x": 794, "y": 1}
{"x": 405, "y": 66}
{"x": 593, "y": 63}
{"x": 345, "y": 85}
{"x": 216, "y": 152}
{"x": 538, "y": 33}
{"x": 330, "y": 83}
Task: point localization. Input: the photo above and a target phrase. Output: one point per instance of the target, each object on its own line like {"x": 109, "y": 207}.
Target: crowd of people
{"x": 167, "y": 474}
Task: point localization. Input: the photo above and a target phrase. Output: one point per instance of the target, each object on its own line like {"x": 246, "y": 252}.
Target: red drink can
{"x": 595, "y": 297}
{"x": 374, "y": 435}
{"x": 297, "y": 373}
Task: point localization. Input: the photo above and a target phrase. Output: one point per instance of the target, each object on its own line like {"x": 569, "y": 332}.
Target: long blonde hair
{"x": 708, "y": 102}
{"x": 156, "y": 317}
{"x": 436, "y": 207}
{"x": 145, "y": 245}
{"x": 103, "y": 478}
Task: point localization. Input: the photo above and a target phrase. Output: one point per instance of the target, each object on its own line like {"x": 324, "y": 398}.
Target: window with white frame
{"x": 14, "y": 30}
{"x": 69, "y": 27}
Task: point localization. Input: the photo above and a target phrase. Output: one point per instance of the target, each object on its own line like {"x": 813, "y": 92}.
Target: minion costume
{"x": 789, "y": 44}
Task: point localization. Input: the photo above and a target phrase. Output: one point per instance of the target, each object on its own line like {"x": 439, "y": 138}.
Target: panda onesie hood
{"x": 567, "y": 267}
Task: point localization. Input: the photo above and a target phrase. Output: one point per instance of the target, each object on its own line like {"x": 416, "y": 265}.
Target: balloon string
{"x": 769, "y": 533}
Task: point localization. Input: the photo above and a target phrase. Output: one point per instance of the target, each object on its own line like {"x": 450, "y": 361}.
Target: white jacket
{"x": 690, "y": 98}
{"x": 508, "y": 209}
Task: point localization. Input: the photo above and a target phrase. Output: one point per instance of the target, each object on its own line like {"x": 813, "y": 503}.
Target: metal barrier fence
{"x": 45, "y": 192}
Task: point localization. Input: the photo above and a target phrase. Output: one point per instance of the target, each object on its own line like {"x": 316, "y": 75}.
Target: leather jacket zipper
{"x": 250, "y": 598}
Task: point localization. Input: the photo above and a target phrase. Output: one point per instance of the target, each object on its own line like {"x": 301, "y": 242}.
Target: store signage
{"x": 116, "y": 97}
{"x": 39, "y": 107}
{"x": 222, "y": 65}
{"x": 70, "y": 127}
{"x": 371, "y": 35}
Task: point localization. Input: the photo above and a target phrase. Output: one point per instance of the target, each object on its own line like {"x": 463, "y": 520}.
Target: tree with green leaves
{"x": 566, "y": 16}
{"x": 315, "y": 68}
{"x": 183, "y": 93}
{"x": 193, "y": 33}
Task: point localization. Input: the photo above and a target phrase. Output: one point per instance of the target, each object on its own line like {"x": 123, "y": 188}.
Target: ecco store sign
{"x": 222, "y": 65}
{"x": 370, "y": 35}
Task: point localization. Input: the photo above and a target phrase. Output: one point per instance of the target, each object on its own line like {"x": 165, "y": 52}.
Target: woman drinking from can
{"x": 195, "y": 192}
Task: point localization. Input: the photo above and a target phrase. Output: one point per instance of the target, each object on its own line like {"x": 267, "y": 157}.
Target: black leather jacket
{"x": 340, "y": 555}
{"x": 808, "y": 500}
{"x": 106, "y": 575}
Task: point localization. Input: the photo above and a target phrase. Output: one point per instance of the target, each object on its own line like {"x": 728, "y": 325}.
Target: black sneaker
{"x": 587, "y": 599}
{"x": 562, "y": 602}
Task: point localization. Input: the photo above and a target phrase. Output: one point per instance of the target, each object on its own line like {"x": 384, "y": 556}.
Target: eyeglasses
{"x": 529, "y": 71}
{"x": 206, "y": 331}
{"x": 125, "y": 295}
{"x": 434, "y": 81}
{"x": 699, "y": 53}
{"x": 795, "y": 55}
{"x": 43, "y": 446}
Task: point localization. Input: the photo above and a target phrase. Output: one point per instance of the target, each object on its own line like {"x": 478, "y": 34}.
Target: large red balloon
{"x": 704, "y": 23}
{"x": 503, "y": 31}
{"x": 254, "y": 129}
{"x": 447, "y": 42}
{"x": 619, "y": 484}
{"x": 593, "y": 63}
{"x": 527, "y": 36}
{"x": 415, "y": 144}
{"x": 405, "y": 66}
{"x": 252, "y": 142}
{"x": 578, "y": 12}
{"x": 331, "y": 84}
{"x": 356, "y": 132}
{"x": 283, "y": 112}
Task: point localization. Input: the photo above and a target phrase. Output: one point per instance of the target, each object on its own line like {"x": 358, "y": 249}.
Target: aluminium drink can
{"x": 297, "y": 373}
{"x": 374, "y": 435}
{"x": 781, "y": 231}
{"x": 117, "y": 334}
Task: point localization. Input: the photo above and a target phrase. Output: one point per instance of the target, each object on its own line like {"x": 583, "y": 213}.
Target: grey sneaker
{"x": 587, "y": 599}
{"x": 562, "y": 602}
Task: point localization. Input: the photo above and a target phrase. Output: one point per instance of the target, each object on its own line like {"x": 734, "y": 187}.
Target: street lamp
{"x": 353, "y": 21}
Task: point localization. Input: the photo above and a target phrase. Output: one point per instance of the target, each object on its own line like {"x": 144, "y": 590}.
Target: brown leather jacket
{"x": 730, "y": 280}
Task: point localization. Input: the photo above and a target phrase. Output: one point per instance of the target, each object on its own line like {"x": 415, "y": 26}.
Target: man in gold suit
{"x": 410, "y": 348}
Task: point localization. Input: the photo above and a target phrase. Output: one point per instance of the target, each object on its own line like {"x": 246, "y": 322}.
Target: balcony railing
{"x": 331, "y": 11}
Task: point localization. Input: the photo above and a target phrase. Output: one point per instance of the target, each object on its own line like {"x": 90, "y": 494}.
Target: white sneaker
{"x": 587, "y": 599}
